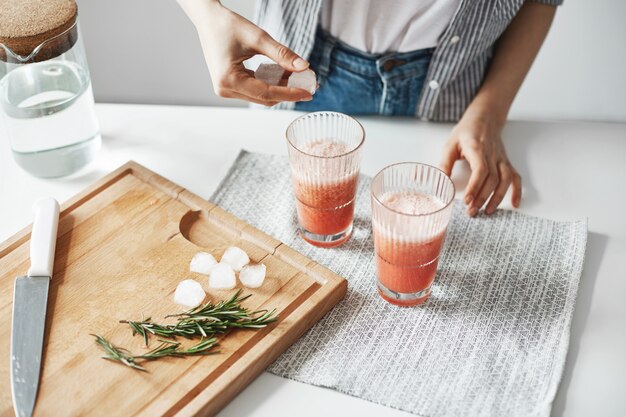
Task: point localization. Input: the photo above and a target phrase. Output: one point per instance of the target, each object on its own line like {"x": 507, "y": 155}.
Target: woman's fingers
{"x": 480, "y": 172}
{"x": 228, "y": 40}
{"x": 261, "y": 91}
{"x": 506, "y": 177}
{"x": 243, "y": 84}
{"x": 227, "y": 92}
{"x": 279, "y": 53}
{"x": 234, "y": 94}
{"x": 516, "y": 194}
{"x": 450, "y": 155}
{"x": 489, "y": 186}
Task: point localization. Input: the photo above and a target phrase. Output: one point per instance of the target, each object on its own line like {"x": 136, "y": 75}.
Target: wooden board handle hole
{"x": 195, "y": 227}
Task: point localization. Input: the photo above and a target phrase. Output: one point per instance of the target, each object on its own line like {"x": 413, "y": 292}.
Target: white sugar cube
{"x": 202, "y": 262}
{"x": 305, "y": 80}
{"x": 189, "y": 293}
{"x": 222, "y": 277}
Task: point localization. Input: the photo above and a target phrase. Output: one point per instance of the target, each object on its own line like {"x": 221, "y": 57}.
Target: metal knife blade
{"x": 30, "y": 300}
{"x": 29, "y": 320}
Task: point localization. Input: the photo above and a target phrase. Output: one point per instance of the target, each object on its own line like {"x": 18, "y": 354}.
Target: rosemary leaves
{"x": 166, "y": 348}
{"x": 202, "y": 322}
{"x": 206, "y": 320}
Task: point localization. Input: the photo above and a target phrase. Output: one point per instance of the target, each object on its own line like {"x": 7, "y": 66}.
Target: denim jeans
{"x": 355, "y": 82}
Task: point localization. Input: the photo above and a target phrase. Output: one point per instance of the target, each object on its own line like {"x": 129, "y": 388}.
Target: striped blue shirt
{"x": 458, "y": 64}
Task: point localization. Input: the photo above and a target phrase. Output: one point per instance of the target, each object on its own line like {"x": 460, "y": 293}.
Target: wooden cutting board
{"x": 123, "y": 245}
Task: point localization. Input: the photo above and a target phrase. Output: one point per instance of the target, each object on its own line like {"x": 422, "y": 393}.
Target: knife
{"x": 30, "y": 299}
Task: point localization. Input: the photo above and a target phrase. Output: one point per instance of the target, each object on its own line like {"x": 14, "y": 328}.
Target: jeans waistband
{"x": 387, "y": 65}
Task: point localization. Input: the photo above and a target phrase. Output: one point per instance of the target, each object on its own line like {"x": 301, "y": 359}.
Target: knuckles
{"x": 481, "y": 170}
{"x": 283, "y": 52}
{"x": 476, "y": 146}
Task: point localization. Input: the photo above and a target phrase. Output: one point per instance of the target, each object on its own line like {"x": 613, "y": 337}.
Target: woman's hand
{"x": 227, "y": 41}
{"x": 477, "y": 137}
{"x": 478, "y": 140}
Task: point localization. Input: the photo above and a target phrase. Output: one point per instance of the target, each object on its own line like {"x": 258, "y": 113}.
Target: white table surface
{"x": 571, "y": 170}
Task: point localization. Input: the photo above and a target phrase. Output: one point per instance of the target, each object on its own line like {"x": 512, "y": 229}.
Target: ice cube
{"x": 235, "y": 257}
{"x": 269, "y": 73}
{"x": 305, "y": 80}
{"x": 252, "y": 276}
{"x": 202, "y": 262}
{"x": 189, "y": 293}
{"x": 222, "y": 277}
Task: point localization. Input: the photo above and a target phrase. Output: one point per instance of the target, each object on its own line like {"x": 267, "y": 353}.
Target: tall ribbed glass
{"x": 324, "y": 155}
{"x": 411, "y": 208}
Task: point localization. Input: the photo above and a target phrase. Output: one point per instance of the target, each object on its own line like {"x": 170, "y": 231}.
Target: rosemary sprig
{"x": 116, "y": 353}
{"x": 206, "y": 320}
{"x": 171, "y": 348}
{"x": 166, "y": 348}
{"x": 203, "y": 321}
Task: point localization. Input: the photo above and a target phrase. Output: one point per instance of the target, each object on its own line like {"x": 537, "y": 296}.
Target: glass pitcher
{"x": 47, "y": 103}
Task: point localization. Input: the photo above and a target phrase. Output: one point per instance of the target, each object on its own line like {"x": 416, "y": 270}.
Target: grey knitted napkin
{"x": 493, "y": 337}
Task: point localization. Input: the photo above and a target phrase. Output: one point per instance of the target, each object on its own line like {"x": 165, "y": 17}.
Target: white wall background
{"x": 146, "y": 51}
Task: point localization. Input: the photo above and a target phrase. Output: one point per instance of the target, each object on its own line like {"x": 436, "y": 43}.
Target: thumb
{"x": 282, "y": 55}
{"x": 450, "y": 155}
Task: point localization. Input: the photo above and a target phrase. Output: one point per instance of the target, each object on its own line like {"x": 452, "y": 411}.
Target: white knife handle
{"x": 43, "y": 237}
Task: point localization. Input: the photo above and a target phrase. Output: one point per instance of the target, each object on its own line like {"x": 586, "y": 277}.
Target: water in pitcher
{"x": 49, "y": 110}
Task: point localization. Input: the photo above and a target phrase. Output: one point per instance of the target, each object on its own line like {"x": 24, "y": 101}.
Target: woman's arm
{"x": 477, "y": 136}
{"x": 227, "y": 41}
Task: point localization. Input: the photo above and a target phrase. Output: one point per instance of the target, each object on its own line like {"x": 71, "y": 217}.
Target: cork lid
{"x": 36, "y": 30}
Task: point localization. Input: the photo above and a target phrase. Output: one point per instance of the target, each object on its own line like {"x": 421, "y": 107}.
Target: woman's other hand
{"x": 478, "y": 140}
{"x": 477, "y": 136}
{"x": 227, "y": 40}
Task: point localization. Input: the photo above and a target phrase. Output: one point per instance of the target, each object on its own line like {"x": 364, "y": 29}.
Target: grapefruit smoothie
{"x": 325, "y": 202}
{"x": 324, "y": 155}
{"x": 407, "y": 264}
{"x": 409, "y": 226}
